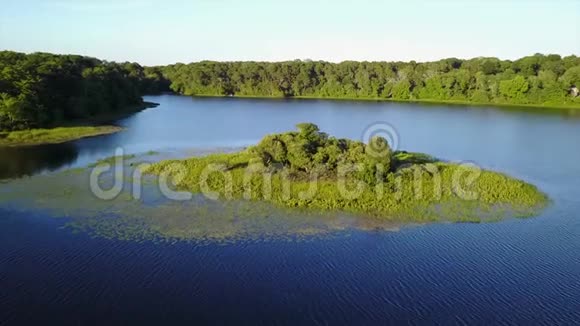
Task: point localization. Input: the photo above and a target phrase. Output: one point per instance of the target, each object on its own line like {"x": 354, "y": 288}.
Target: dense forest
{"x": 538, "y": 79}
{"x": 45, "y": 90}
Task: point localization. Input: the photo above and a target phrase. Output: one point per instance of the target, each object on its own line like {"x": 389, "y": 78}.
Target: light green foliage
{"x": 52, "y": 136}
{"x": 376, "y": 160}
{"x": 412, "y": 187}
{"x": 112, "y": 160}
{"x": 401, "y": 90}
{"x": 572, "y": 76}
{"x": 402, "y": 158}
{"x": 514, "y": 89}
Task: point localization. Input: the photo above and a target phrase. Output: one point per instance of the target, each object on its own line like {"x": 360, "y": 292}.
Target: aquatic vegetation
{"x": 53, "y": 136}
{"x": 291, "y": 186}
{"x": 402, "y": 158}
{"x": 113, "y": 159}
{"x": 309, "y": 169}
{"x": 153, "y": 217}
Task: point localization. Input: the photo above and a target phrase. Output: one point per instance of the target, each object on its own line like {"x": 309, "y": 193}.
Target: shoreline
{"x": 570, "y": 107}
{"x": 109, "y": 118}
{"x": 447, "y": 207}
{"x": 61, "y": 135}
{"x": 70, "y": 131}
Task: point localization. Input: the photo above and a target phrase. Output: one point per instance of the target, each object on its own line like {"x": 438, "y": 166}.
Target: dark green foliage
{"x": 45, "y": 90}
{"x": 309, "y": 148}
{"x": 272, "y": 149}
{"x": 537, "y": 80}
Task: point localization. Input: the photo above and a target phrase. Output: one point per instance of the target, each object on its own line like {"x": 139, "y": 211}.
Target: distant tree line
{"x": 43, "y": 90}
{"x": 537, "y": 79}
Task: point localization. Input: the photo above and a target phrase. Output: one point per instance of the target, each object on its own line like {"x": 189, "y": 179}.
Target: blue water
{"x": 511, "y": 272}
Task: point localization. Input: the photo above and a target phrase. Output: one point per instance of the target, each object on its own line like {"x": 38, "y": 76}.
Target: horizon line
{"x": 292, "y": 60}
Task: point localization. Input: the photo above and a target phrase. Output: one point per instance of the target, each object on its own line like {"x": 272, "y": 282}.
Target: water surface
{"x": 514, "y": 271}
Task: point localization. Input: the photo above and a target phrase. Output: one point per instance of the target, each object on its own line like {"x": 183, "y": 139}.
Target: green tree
{"x": 272, "y": 150}
{"x": 402, "y": 90}
{"x": 572, "y": 77}
{"x": 514, "y": 89}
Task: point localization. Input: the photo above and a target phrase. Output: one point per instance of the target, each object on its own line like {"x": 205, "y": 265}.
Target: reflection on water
{"x": 17, "y": 162}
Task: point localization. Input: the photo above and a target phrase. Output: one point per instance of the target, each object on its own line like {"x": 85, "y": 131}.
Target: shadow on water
{"x": 571, "y": 113}
{"x": 17, "y": 162}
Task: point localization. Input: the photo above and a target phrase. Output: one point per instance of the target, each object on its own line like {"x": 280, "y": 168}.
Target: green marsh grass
{"x": 498, "y": 195}
{"x": 53, "y": 136}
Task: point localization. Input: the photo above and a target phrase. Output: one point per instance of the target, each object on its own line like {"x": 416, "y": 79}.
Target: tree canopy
{"x": 308, "y": 149}
{"x": 42, "y": 90}
{"x": 538, "y": 79}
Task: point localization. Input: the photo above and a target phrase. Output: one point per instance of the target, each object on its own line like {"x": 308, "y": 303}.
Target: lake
{"x": 514, "y": 271}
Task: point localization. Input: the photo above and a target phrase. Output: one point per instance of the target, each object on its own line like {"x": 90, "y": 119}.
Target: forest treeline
{"x": 46, "y": 90}
{"x": 41, "y": 89}
{"x": 538, "y": 79}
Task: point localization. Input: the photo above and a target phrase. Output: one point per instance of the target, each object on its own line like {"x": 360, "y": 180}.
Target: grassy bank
{"x": 71, "y": 130}
{"x": 569, "y": 106}
{"x": 53, "y": 136}
{"x": 413, "y": 187}
{"x": 572, "y": 106}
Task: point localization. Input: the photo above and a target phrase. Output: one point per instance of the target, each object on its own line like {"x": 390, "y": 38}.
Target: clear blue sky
{"x": 162, "y": 32}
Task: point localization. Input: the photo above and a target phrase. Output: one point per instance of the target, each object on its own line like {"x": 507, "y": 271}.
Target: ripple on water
{"x": 199, "y": 251}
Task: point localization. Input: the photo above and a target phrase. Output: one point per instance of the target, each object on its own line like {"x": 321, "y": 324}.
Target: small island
{"x": 308, "y": 169}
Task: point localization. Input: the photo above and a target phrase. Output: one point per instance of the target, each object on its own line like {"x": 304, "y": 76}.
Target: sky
{"x": 163, "y": 32}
